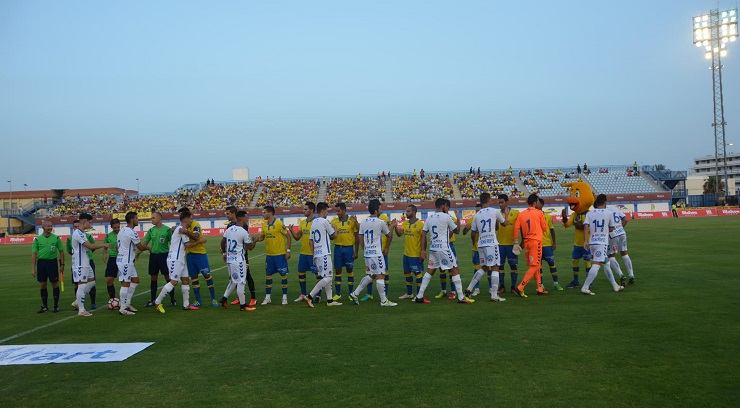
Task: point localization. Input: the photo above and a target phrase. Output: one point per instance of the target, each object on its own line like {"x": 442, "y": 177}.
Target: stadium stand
{"x": 618, "y": 180}
{"x": 352, "y": 190}
{"x": 286, "y": 193}
{"x": 547, "y": 182}
{"x": 471, "y": 185}
{"x": 97, "y": 204}
{"x": 219, "y": 196}
{"x": 414, "y": 188}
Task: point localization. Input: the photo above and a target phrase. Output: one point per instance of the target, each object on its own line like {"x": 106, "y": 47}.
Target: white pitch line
{"x": 21, "y": 334}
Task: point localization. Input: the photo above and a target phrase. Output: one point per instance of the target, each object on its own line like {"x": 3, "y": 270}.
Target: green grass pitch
{"x": 669, "y": 340}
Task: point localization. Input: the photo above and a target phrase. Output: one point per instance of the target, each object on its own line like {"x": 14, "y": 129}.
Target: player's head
{"x": 185, "y": 218}
{"x": 600, "y": 201}
{"x": 241, "y": 218}
{"x": 268, "y": 212}
{"x": 341, "y": 209}
{"x": 230, "y": 213}
{"x": 115, "y": 225}
{"x": 85, "y": 220}
{"x": 503, "y": 201}
{"x": 478, "y": 206}
{"x": 76, "y": 224}
{"x": 132, "y": 218}
{"x": 47, "y": 227}
{"x": 540, "y": 204}
{"x": 156, "y": 218}
{"x": 183, "y": 209}
{"x": 411, "y": 211}
{"x": 373, "y": 207}
{"x": 484, "y": 198}
{"x": 440, "y": 203}
{"x": 532, "y": 200}
{"x": 309, "y": 208}
{"x": 322, "y": 209}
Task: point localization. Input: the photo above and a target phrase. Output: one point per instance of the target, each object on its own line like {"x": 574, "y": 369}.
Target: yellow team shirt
{"x": 579, "y": 235}
{"x": 453, "y": 236}
{"x": 412, "y": 238}
{"x": 274, "y": 237}
{"x": 200, "y": 248}
{"x": 346, "y": 231}
{"x": 546, "y": 238}
{"x": 505, "y": 235}
{"x": 387, "y": 224}
{"x": 475, "y": 241}
{"x": 305, "y": 228}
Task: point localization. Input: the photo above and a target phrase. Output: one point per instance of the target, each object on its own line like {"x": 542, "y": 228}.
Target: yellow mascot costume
{"x": 580, "y": 200}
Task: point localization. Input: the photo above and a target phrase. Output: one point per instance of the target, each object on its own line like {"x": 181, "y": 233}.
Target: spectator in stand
{"x": 578, "y": 168}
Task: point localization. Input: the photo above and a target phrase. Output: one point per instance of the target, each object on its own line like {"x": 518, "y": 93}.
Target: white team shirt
{"x": 127, "y": 240}
{"x": 440, "y": 224}
{"x": 618, "y": 217}
{"x": 484, "y": 223}
{"x": 372, "y": 229}
{"x": 236, "y": 238}
{"x": 599, "y": 221}
{"x": 321, "y": 231}
{"x": 79, "y": 251}
{"x": 177, "y": 246}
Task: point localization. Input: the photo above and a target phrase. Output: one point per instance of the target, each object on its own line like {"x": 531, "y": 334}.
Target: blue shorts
{"x": 305, "y": 263}
{"x": 411, "y": 264}
{"x": 476, "y": 258}
{"x": 276, "y": 263}
{"x": 452, "y": 248}
{"x": 548, "y": 255}
{"x": 343, "y": 257}
{"x": 197, "y": 263}
{"x": 581, "y": 252}
{"x": 507, "y": 254}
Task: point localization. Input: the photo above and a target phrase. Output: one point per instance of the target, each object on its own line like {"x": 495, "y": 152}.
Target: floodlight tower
{"x": 714, "y": 31}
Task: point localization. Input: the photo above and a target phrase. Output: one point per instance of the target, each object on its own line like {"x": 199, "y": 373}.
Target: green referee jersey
{"x": 90, "y": 239}
{"x": 112, "y": 239}
{"x": 47, "y": 247}
{"x": 160, "y": 239}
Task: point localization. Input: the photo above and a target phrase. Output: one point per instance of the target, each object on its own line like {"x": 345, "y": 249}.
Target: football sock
{"x": 554, "y": 272}
{"x": 122, "y": 296}
{"x": 195, "y": 284}
{"x": 494, "y": 283}
{"x": 338, "y": 281}
{"x": 591, "y": 275}
{"x": 250, "y": 284}
{"x": 45, "y": 297}
{"x": 111, "y": 291}
{"x": 424, "y": 283}
{"x": 131, "y": 290}
{"x": 211, "y": 288}
{"x": 229, "y": 289}
{"x": 351, "y": 281}
{"x": 385, "y": 282}
{"x": 628, "y": 264}
{"x": 576, "y": 270}
{"x": 490, "y": 280}
{"x": 528, "y": 277}
{"x": 327, "y": 286}
{"x": 443, "y": 281}
{"x": 153, "y": 291}
{"x": 381, "y": 290}
{"x": 538, "y": 279}
{"x": 409, "y": 283}
{"x": 370, "y": 289}
{"x": 363, "y": 283}
{"x": 457, "y": 283}
{"x": 514, "y": 278}
{"x": 268, "y": 286}
{"x": 419, "y": 277}
{"x": 55, "y": 293}
{"x": 476, "y": 279}
{"x": 284, "y": 284}
{"x": 80, "y": 296}
{"x": 302, "y": 282}
{"x": 185, "y": 295}
{"x": 165, "y": 290}
{"x": 240, "y": 293}
{"x": 609, "y": 275}
{"x": 316, "y": 289}
{"x": 614, "y": 265}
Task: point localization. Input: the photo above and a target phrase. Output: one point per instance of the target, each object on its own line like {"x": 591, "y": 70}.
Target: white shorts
{"x": 237, "y": 272}
{"x": 617, "y": 244}
{"x": 126, "y": 271}
{"x": 444, "y": 260}
{"x": 375, "y": 265}
{"x": 82, "y": 273}
{"x": 489, "y": 256}
{"x": 324, "y": 265}
{"x": 598, "y": 252}
{"x": 177, "y": 269}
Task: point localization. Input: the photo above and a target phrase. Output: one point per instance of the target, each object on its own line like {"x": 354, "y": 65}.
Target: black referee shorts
{"x": 157, "y": 264}
{"x": 47, "y": 269}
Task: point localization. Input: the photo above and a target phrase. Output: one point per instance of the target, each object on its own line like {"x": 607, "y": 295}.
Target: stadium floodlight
{"x": 714, "y": 31}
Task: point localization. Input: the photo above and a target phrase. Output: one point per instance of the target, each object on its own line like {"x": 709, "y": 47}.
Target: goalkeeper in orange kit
{"x": 532, "y": 224}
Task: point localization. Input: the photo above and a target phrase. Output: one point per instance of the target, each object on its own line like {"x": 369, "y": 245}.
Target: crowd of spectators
{"x": 219, "y": 196}
{"x": 421, "y": 188}
{"x": 287, "y": 193}
{"x": 97, "y": 204}
{"x": 354, "y": 190}
{"x": 473, "y": 183}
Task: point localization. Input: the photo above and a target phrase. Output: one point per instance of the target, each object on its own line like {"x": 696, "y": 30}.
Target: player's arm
{"x": 91, "y": 240}
{"x": 473, "y": 237}
{"x": 332, "y": 233}
{"x": 423, "y": 244}
{"x": 399, "y": 230}
{"x": 191, "y": 244}
{"x": 387, "y": 248}
{"x": 357, "y": 241}
{"x": 517, "y": 226}
{"x": 93, "y": 247}
{"x": 297, "y": 234}
{"x": 223, "y": 246}
{"x": 505, "y": 216}
{"x": 194, "y": 236}
{"x": 288, "y": 242}
{"x": 567, "y": 221}
{"x": 468, "y": 227}
{"x": 586, "y": 235}
{"x": 105, "y": 253}
{"x": 624, "y": 222}
{"x": 69, "y": 244}
{"x": 34, "y": 258}
{"x": 147, "y": 239}
{"x": 552, "y": 235}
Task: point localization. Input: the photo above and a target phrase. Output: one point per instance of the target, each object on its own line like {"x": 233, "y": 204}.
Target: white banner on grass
{"x": 68, "y": 353}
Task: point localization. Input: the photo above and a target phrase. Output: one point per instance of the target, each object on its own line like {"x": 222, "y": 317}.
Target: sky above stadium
{"x": 99, "y": 93}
